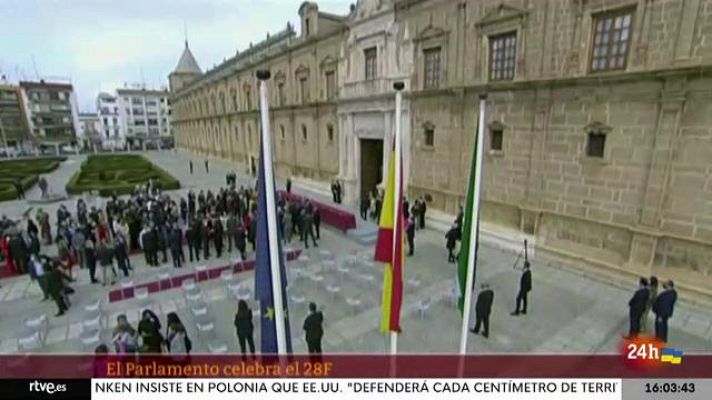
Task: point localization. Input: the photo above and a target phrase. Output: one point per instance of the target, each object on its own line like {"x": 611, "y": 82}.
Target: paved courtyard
{"x": 568, "y": 311}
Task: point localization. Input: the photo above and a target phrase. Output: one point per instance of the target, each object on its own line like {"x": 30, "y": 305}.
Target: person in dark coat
{"x": 317, "y": 221}
{"x": 206, "y": 233}
{"x": 231, "y": 227}
{"x": 192, "y": 235}
{"x": 149, "y": 328}
{"x": 90, "y": 260}
{"x": 451, "y": 242}
{"x": 410, "y": 235}
{"x": 636, "y": 307}
{"x": 55, "y": 286}
{"x": 240, "y": 241}
{"x": 365, "y": 204}
{"x": 19, "y": 253}
{"x": 663, "y": 307}
{"x": 406, "y": 209}
{"x": 339, "y": 191}
{"x": 175, "y": 243}
{"x": 525, "y": 286}
{"x": 483, "y": 309}
{"x": 244, "y": 327}
{"x": 313, "y": 329}
{"x": 207, "y": 170}
{"x": 190, "y": 166}
{"x": 421, "y": 214}
{"x": 308, "y": 230}
{"x": 289, "y": 185}
{"x": 121, "y": 252}
{"x": 252, "y": 233}
{"x": 218, "y": 236}
{"x": 105, "y": 256}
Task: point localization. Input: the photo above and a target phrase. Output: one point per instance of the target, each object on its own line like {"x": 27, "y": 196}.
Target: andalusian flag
{"x": 466, "y": 230}
{"x": 390, "y": 249}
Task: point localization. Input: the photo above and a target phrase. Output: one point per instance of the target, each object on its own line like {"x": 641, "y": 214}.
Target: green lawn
{"x": 109, "y": 174}
{"x": 27, "y": 170}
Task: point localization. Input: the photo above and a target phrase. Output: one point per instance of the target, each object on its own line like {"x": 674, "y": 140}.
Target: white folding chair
{"x": 125, "y": 285}
{"x": 227, "y": 276}
{"x": 141, "y": 295}
{"x": 296, "y": 299}
{"x": 39, "y": 324}
{"x": 232, "y": 288}
{"x": 205, "y": 326}
{"x": 29, "y": 341}
{"x": 354, "y": 303}
{"x": 217, "y": 348}
{"x": 193, "y": 295}
{"x": 201, "y": 270}
{"x": 243, "y": 293}
{"x": 188, "y": 284}
{"x": 423, "y": 306}
{"x": 92, "y": 320}
{"x": 199, "y": 309}
{"x": 90, "y": 339}
{"x": 165, "y": 280}
{"x": 333, "y": 290}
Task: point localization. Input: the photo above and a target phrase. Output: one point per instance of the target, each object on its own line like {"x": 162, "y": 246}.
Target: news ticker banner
{"x": 357, "y": 389}
{"x": 668, "y": 365}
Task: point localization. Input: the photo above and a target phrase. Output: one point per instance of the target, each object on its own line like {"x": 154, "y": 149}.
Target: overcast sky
{"x": 100, "y": 44}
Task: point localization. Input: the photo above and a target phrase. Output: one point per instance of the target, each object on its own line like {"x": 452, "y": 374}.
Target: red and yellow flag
{"x": 390, "y": 249}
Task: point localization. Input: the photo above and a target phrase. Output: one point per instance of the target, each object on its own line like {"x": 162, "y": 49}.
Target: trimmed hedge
{"x": 109, "y": 174}
{"x": 27, "y": 170}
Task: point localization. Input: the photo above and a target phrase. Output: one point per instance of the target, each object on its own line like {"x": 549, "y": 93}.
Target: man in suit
{"x": 308, "y": 228}
{"x": 410, "y": 235}
{"x": 192, "y": 235}
{"x": 525, "y": 286}
{"x": 663, "y": 308}
{"x": 313, "y": 329}
{"x": 317, "y": 221}
{"x": 636, "y": 307}
{"x": 231, "y": 225}
{"x": 483, "y": 309}
{"x": 175, "y": 243}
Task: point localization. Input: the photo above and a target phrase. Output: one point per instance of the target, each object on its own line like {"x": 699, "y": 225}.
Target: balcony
{"x": 368, "y": 88}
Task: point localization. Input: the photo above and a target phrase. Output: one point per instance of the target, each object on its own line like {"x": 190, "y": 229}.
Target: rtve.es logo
{"x": 47, "y": 387}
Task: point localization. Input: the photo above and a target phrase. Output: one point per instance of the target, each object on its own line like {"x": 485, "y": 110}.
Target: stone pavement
{"x": 568, "y": 311}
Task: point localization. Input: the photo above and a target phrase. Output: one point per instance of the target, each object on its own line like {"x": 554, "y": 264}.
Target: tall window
{"x": 371, "y": 57}
{"x": 304, "y": 133}
{"x": 330, "y": 132}
{"x": 248, "y": 98}
{"x": 431, "y": 73}
{"x": 330, "y": 84}
{"x": 503, "y": 56}
{"x": 303, "y": 89}
{"x": 429, "y": 135}
{"x": 611, "y": 40}
{"x": 282, "y": 97}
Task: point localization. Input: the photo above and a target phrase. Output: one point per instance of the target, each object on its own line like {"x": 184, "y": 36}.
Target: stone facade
{"x": 640, "y": 202}
{"x": 366, "y": 106}
{"x": 599, "y": 112}
{"x": 217, "y": 114}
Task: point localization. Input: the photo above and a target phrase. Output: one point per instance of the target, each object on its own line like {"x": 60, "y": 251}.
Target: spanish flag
{"x": 390, "y": 249}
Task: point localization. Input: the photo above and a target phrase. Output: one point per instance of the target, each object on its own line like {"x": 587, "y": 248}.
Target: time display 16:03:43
{"x": 671, "y": 387}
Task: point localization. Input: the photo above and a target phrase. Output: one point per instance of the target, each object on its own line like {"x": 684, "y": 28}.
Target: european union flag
{"x": 263, "y": 270}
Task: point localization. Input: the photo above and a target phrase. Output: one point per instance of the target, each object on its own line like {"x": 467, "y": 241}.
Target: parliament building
{"x": 599, "y": 117}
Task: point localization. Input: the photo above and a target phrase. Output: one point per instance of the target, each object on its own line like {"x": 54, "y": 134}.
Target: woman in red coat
{"x": 5, "y": 248}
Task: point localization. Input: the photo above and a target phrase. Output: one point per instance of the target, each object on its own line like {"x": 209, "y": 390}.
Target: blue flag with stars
{"x": 263, "y": 271}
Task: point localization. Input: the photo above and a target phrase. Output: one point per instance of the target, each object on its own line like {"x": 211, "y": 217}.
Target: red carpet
{"x": 176, "y": 281}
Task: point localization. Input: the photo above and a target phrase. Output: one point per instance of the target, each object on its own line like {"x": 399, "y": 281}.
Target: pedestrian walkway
{"x": 568, "y": 311}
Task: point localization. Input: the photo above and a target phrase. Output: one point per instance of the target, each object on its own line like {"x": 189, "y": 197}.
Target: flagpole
{"x": 398, "y": 197}
{"x": 473, "y": 226}
{"x": 275, "y": 257}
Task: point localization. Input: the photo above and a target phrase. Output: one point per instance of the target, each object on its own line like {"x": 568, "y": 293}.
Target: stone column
{"x": 643, "y": 244}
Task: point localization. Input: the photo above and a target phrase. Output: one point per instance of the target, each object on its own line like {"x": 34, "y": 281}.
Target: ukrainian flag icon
{"x": 670, "y": 355}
